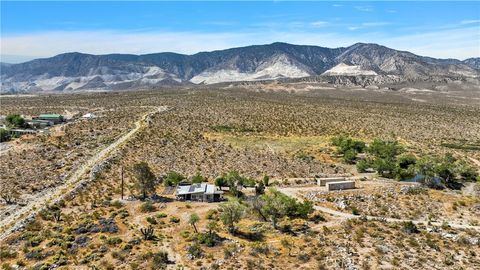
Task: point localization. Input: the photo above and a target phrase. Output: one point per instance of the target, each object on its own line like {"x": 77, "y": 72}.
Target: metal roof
{"x": 50, "y": 115}
{"x": 198, "y": 188}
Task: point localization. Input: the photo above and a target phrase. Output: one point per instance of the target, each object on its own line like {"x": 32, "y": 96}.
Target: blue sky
{"x": 42, "y": 29}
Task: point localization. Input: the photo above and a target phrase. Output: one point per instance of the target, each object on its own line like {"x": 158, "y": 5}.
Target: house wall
{"x": 340, "y": 185}
{"x": 323, "y": 181}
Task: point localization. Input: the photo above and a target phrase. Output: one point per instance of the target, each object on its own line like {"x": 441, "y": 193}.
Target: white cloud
{"x": 367, "y": 24}
{"x": 469, "y": 21}
{"x": 364, "y": 8}
{"x": 452, "y": 43}
{"x": 460, "y": 43}
{"x": 319, "y": 24}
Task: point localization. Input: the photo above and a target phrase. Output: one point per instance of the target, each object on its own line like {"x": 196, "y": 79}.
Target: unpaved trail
{"x": 293, "y": 192}
{"x": 17, "y": 219}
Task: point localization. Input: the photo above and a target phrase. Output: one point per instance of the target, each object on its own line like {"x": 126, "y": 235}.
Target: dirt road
{"x": 294, "y": 192}
{"x": 18, "y": 218}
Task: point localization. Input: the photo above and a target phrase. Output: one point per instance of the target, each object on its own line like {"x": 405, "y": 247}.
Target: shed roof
{"x": 50, "y": 115}
{"x": 198, "y": 188}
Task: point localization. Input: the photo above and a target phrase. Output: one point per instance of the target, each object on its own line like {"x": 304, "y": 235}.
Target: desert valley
{"x": 183, "y": 135}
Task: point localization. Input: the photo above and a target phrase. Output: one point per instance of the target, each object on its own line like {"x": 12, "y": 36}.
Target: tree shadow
{"x": 250, "y": 236}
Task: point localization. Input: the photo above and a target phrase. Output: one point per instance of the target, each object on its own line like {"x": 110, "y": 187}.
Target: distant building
{"x": 89, "y": 116}
{"x": 20, "y": 132}
{"x": 37, "y": 123}
{"x": 203, "y": 192}
{"x": 55, "y": 118}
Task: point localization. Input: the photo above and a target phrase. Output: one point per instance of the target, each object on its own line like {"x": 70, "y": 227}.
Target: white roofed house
{"x": 203, "y": 192}
{"x": 89, "y": 116}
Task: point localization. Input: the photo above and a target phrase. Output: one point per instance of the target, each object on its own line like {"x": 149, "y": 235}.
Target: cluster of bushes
{"x": 271, "y": 206}
{"x": 13, "y": 121}
{"x": 234, "y": 181}
{"x": 173, "y": 178}
{"x": 389, "y": 159}
{"x": 445, "y": 171}
{"x": 16, "y": 121}
{"x": 349, "y": 148}
{"x": 4, "y": 135}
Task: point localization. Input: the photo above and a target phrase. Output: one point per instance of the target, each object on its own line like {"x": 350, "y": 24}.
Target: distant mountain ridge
{"x": 78, "y": 71}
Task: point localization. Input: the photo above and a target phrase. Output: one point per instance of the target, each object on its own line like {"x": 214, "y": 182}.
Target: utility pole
{"x": 122, "y": 183}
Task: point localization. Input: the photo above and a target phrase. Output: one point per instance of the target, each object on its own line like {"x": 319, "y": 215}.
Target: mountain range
{"x": 78, "y": 71}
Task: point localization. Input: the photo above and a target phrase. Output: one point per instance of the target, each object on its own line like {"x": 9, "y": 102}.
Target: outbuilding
{"x": 55, "y": 118}
{"x": 89, "y": 116}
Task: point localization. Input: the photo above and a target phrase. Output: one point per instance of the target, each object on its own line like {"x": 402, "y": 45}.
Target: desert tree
{"x": 277, "y": 205}
{"x": 194, "y": 218}
{"x": 259, "y": 188}
{"x": 15, "y": 120}
{"x": 234, "y": 181}
{"x": 231, "y": 213}
{"x": 256, "y": 205}
{"x": 266, "y": 180}
{"x": 145, "y": 179}
{"x": 4, "y": 135}
{"x": 198, "y": 178}
{"x": 212, "y": 227}
{"x": 173, "y": 178}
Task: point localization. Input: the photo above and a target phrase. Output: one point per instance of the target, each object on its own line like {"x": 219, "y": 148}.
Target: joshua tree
{"x": 147, "y": 233}
{"x": 57, "y": 215}
{"x": 194, "y": 218}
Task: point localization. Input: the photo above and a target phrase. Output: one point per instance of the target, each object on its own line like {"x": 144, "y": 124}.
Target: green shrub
{"x": 161, "y": 215}
{"x": 198, "y": 178}
{"x": 185, "y": 234}
{"x": 151, "y": 220}
{"x": 173, "y": 178}
{"x": 195, "y": 251}
{"x": 345, "y": 144}
{"x": 113, "y": 241}
{"x": 16, "y": 121}
{"x": 206, "y": 239}
{"x": 117, "y": 204}
{"x": 7, "y": 253}
{"x": 212, "y": 214}
{"x": 6, "y": 266}
{"x": 4, "y": 135}
{"x": 147, "y": 207}
{"x": 350, "y": 156}
{"x": 410, "y": 227}
{"x": 160, "y": 259}
{"x": 259, "y": 248}
{"x": 363, "y": 165}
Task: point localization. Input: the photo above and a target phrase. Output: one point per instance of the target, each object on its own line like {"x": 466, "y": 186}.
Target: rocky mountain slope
{"x": 77, "y": 71}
